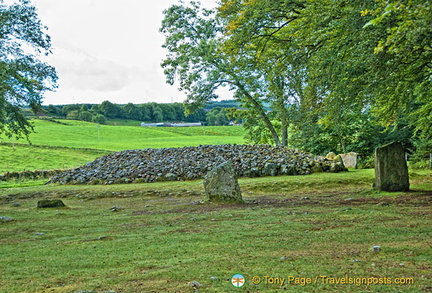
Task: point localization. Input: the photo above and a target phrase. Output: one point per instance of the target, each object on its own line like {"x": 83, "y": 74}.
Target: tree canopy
{"x": 329, "y": 63}
{"x": 23, "y": 77}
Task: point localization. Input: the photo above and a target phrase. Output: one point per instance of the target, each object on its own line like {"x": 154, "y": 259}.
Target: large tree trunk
{"x": 261, "y": 112}
{"x": 285, "y": 124}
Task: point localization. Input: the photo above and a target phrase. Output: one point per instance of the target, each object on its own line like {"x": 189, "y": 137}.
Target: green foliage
{"x": 73, "y": 115}
{"x": 132, "y": 112}
{"x": 144, "y": 112}
{"x": 110, "y": 110}
{"x": 217, "y": 117}
{"x": 99, "y": 119}
{"x": 157, "y": 113}
{"x": 23, "y": 78}
{"x": 85, "y": 116}
{"x": 222, "y": 104}
{"x": 422, "y": 156}
{"x": 195, "y": 41}
{"x": 340, "y": 74}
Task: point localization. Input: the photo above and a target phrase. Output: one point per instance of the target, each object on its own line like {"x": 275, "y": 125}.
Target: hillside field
{"x": 73, "y": 143}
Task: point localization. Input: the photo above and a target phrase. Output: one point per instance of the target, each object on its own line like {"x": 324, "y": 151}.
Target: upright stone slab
{"x": 391, "y": 170}
{"x": 221, "y": 185}
{"x": 349, "y": 160}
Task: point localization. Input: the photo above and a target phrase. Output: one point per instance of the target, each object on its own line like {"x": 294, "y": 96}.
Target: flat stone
{"x": 376, "y": 248}
{"x": 115, "y": 209}
{"x": 6, "y": 219}
{"x": 50, "y": 203}
{"x": 195, "y": 284}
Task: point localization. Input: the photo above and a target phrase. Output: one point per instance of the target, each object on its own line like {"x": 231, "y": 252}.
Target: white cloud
{"x": 107, "y": 50}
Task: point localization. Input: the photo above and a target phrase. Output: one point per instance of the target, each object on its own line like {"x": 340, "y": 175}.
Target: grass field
{"x": 60, "y": 146}
{"x": 165, "y": 236}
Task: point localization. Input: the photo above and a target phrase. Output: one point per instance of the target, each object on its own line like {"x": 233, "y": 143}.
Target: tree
{"x": 99, "y": 118}
{"x": 157, "y": 113}
{"x": 255, "y": 31}
{"x": 66, "y": 109}
{"x": 53, "y": 110}
{"x": 406, "y": 44}
{"x": 365, "y": 53}
{"x": 197, "y": 116}
{"x": 168, "y": 112}
{"x": 217, "y": 117}
{"x": 85, "y": 116}
{"x": 179, "y": 111}
{"x": 146, "y": 111}
{"x": 194, "y": 38}
{"x": 73, "y": 115}
{"x": 23, "y": 77}
{"x": 110, "y": 110}
{"x": 365, "y": 70}
{"x": 132, "y": 111}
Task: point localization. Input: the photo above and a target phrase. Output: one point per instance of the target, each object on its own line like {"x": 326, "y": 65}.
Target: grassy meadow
{"x": 73, "y": 143}
{"x": 165, "y": 236}
{"x": 292, "y": 234}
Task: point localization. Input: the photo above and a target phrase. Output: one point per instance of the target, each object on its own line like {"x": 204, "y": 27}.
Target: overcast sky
{"x": 108, "y": 50}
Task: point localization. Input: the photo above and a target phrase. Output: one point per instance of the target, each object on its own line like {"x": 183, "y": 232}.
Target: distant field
{"x": 81, "y": 142}
{"x": 25, "y": 157}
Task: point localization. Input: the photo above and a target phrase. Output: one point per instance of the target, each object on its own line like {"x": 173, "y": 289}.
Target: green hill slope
{"x": 73, "y": 143}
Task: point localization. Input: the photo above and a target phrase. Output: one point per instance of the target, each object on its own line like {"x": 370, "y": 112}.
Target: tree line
{"x": 213, "y": 114}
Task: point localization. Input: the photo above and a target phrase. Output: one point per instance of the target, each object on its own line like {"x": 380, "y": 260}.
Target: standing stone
{"x": 221, "y": 185}
{"x": 349, "y": 160}
{"x": 391, "y": 170}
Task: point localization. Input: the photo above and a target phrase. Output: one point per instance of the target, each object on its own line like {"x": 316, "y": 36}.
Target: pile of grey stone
{"x": 189, "y": 163}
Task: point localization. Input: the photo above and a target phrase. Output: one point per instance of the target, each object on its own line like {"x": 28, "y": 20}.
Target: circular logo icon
{"x": 256, "y": 280}
{"x": 238, "y": 280}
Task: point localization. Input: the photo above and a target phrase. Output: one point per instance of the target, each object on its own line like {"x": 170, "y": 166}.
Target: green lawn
{"x": 81, "y": 142}
{"x": 165, "y": 236}
{"x": 79, "y": 134}
{"x": 26, "y": 157}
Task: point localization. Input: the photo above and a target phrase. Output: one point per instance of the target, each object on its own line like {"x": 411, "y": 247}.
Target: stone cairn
{"x": 189, "y": 163}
